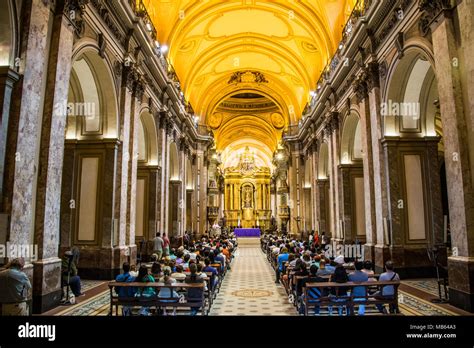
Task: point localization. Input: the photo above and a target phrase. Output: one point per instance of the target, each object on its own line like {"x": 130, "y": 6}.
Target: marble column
{"x": 24, "y": 129}
{"x": 47, "y": 269}
{"x": 132, "y": 171}
{"x": 380, "y": 186}
{"x": 314, "y": 187}
{"x": 333, "y": 149}
{"x": 361, "y": 90}
{"x": 457, "y": 122}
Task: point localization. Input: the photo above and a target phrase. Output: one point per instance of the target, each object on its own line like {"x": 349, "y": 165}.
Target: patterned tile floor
{"x": 249, "y": 288}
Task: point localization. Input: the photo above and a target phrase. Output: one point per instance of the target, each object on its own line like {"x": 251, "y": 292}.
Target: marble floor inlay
{"x": 249, "y": 287}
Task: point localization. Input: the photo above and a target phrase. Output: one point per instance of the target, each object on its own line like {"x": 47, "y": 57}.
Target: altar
{"x": 247, "y": 232}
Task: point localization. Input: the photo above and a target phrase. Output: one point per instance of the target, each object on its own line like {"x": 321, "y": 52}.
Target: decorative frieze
{"x": 104, "y": 13}
{"x": 431, "y": 10}
{"x": 73, "y": 11}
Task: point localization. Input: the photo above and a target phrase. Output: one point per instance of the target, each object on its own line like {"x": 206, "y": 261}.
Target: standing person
{"x": 324, "y": 241}
{"x": 186, "y": 239}
{"x": 158, "y": 245}
{"x": 166, "y": 245}
{"x": 14, "y": 289}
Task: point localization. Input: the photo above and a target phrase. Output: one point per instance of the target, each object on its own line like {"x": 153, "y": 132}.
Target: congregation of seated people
{"x": 300, "y": 262}
{"x": 201, "y": 261}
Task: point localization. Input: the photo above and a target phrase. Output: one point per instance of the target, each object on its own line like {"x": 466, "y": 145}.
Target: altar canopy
{"x": 247, "y": 232}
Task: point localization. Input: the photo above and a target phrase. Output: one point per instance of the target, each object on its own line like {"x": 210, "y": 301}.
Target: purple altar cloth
{"x": 247, "y": 232}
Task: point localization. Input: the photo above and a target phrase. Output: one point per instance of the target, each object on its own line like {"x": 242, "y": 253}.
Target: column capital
{"x": 361, "y": 88}
{"x": 431, "y": 11}
{"x": 73, "y": 11}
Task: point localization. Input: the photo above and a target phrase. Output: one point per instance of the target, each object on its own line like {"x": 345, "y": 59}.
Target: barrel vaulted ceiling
{"x": 272, "y": 49}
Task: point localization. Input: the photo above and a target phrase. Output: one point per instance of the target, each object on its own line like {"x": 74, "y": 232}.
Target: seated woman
{"x": 194, "y": 294}
{"x": 156, "y": 270}
{"x": 144, "y": 277}
{"x": 168, "y": 293}
{"x": 339, "y": 276}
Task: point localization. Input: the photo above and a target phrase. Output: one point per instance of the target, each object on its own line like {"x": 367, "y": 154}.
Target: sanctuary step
{"x": 249, "y": 242}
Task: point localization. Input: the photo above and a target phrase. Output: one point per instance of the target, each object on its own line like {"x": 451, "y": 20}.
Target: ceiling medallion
{"x": 215, "y": 120}
{"x": 247, "y": 77}
{"x": 277, "y": 120}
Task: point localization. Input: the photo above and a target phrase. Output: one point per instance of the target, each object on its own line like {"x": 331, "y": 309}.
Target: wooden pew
{"x": 155, "y": 301}
{"x": 348, "y": 300}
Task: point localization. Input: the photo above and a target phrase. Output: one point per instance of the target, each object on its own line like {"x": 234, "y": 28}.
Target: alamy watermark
{"x": 13, "y": 251}
{"x": 85, "y": 109}
{"x": 348, "y": 251}
{"x": 403, "y": 109}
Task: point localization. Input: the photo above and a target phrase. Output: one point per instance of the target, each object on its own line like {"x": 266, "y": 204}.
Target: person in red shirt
{"x": 166, "y": 245}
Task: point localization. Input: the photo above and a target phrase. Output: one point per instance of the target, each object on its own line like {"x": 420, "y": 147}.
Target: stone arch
{"x": 174, "y": 163}
{"x": 92, "y": 102}
{"x": 147, "y": 139}
{"x": 351, "y": 144}
{"x": 8, "y": 33}
{"x": 408, "y": 107}
{"x": 323, "y": 161}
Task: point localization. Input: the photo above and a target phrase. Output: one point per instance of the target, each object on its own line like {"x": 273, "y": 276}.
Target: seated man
{"x": 209, "y": 268}
{"x": 388, "y": 291}
{"x": 14, "y": 289}
{"x": 125, "y": 277}
{"x": 313, "y": 294}
{"x": 194, "y": 294}
{"x": 281, "y": 260}
{"x": 359, "y": 292}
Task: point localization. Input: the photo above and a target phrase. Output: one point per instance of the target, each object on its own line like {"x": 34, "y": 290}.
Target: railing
{"x": 212, "y": 211}
{"x": 140, "y": 11}
{"x": 203, "y": 130}
{"x": 360, "y": 10}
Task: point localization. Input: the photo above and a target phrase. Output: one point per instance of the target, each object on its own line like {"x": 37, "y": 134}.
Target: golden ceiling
{"x": 276, "y": 49}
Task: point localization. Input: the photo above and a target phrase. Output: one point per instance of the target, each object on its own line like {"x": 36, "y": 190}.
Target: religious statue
{"x": 247, "y": 195}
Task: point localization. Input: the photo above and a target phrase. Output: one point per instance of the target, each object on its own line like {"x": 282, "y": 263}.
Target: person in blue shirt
{"x": 212, "y": 270}
{"x": 14, "y": 289}
{"x": 388, "y": 290}
{"x": 359, "y": 292}
{"x": 281, "y": 260}
{"x": 125, "y": 277}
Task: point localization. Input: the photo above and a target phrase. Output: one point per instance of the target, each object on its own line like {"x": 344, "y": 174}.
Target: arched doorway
{"x": 174, "y": 203}
{"x": 352, "y": 205}
{"x": 414, "y": 157}
{"x": 88, "y": 220}
{"x": 148, "y": 174}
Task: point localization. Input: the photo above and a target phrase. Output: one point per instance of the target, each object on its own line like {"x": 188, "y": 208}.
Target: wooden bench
{"x": 370, "y": 298}
{"x": 154, "y": 300}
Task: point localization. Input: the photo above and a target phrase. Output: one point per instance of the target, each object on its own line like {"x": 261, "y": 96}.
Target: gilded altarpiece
{"x": 247, "y": 194}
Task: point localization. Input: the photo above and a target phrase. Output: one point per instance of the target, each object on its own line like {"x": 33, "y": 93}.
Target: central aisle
{"x": 249, "y": 288}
